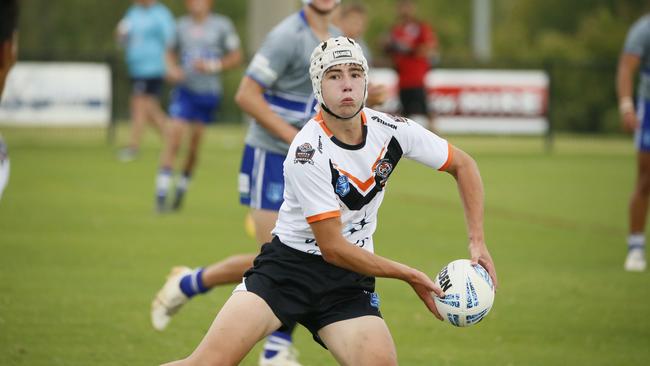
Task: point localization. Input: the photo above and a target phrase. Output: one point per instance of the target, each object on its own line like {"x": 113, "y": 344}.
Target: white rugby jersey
{"x": 326, "y": 178}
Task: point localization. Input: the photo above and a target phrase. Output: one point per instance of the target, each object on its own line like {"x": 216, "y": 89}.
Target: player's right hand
{"x": 630, "y": 121}
{"x": 175, "y": 74}
{"x": 424, "y": 287}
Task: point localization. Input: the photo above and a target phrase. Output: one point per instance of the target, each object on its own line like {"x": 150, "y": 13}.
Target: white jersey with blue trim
{"x": 281, "y": 66}
{"x": 326, "y": 178}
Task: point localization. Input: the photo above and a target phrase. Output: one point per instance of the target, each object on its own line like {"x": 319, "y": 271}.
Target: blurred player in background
{"x": 146, "y": 31}
{"x": 352, "y": 19}
{"x": 206, "y": 45}
{"x": 320, "y": 268}
{"x": 8, "y": 52}
{"x": 277, "y": 93}
{"x": 412, "y": 46}
{"x": 635, "y": 55}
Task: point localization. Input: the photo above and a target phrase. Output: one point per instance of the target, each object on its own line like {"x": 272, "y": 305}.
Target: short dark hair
{"x": 8, "y": 19}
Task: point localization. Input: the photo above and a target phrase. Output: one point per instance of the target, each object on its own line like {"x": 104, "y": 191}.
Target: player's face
{"x": 198, "y": 7}
{"x": 324, "y": 6}
{"x": 406, "y": 9}
{"x": 8, "y": 51}
{"x": 343, "y": 89}
{"x": 353, "y": 24}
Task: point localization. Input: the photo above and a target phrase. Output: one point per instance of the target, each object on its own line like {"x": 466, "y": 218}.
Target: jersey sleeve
{"x": 636, "y": 42}
{"x": 168, "y": 28}
{"x": 230, "y": 39}
{"x": 272, "y": 58}
{"x": 309, "y": 178}
{"x": 424, "y": 146}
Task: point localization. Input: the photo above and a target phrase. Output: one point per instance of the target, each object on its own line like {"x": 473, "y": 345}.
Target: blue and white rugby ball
{"x": 469, "y": 293}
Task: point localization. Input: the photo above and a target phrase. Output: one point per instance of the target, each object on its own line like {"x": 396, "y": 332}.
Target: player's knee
{"x": 643, "y": 186}
{"x": 383, "y": 360}
{"x": 215, "y": 358}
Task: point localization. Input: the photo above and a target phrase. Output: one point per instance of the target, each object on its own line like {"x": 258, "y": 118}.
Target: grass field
{"x": 82, "y": 253}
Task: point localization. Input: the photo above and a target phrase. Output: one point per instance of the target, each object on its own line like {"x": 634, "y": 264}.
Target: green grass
{"x": 82, "y": 253}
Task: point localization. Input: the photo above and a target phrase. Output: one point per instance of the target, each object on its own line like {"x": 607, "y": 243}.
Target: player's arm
{"x": 175, "y": 73}
{"x": 336, "y": 250}
{"x": 628, "y": 65}
{"x": 250, "y": 98}
{"x": 470, "y": 186}
{"x": 231, "y": 60}
{"x": 427, "y": 43}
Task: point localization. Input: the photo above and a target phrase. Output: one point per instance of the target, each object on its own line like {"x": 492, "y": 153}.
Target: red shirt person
{"x": 412, "y": 46}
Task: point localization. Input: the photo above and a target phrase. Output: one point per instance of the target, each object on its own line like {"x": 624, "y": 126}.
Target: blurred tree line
{"x": 578, "y": 41}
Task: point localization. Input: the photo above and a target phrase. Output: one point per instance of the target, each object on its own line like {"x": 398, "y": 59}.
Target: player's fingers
{"x": 431, "y": 305}
{"x": 489, "y": 267}
{"x": 438, "y": 291}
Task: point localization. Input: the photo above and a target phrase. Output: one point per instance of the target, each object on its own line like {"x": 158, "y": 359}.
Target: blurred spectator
{"x": 352, "y": 20}
{"x": 146, "y": 31}
{"x": 8, "y": 51}
{"x": 636, "y": 53}
{"x": 206, "y": 44}
{"x": 412, "y": 46}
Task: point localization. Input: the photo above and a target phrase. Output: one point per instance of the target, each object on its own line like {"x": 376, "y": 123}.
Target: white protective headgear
{"x": 335, "y": 51}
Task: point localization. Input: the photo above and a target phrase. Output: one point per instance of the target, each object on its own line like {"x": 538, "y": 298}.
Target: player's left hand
{"x": 479, "y": 254}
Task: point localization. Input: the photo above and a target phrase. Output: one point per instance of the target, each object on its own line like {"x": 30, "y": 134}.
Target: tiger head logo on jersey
{"x": 383, "y": 170}
{"x": 304, "y": 154}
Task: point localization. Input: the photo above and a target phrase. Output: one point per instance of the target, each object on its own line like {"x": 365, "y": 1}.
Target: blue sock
{"x": 192, "y": 284}
{"x": 276, "y": 342}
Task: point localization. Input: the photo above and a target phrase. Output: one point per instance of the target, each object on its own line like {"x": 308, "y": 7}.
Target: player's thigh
{"x": 175, "y": 130}
{"x": 264, "y": 222}
{"x": 243, "y": 320}
{"x": 360, "y": 341}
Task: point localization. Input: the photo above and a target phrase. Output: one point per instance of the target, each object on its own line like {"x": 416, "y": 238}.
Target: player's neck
{"x": 319, "y": 23}
{"x": 348, "y": 131}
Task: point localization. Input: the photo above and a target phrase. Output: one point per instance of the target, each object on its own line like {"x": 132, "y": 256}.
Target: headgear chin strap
{"x": 336, "y": 51}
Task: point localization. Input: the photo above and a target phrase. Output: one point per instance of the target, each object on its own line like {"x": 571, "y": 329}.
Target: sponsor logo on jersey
{"x": 342, "y": 53}
{"x": 398, "y": 118}
{"x": 342, "y": 186}
{"x": 381, "y": 121}
{"x": 304, "y": 154}
{"x": 320, "y": 145}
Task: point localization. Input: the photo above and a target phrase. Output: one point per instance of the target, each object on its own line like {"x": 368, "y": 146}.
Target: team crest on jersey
{"x": 304, "y": 154}
{"x": 342, "y": 186}
{"x": 383, "y": 170}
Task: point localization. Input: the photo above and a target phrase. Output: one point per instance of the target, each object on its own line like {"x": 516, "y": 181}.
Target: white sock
{"x": 636, "y": 241}
{"x": 163, "y": 181}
